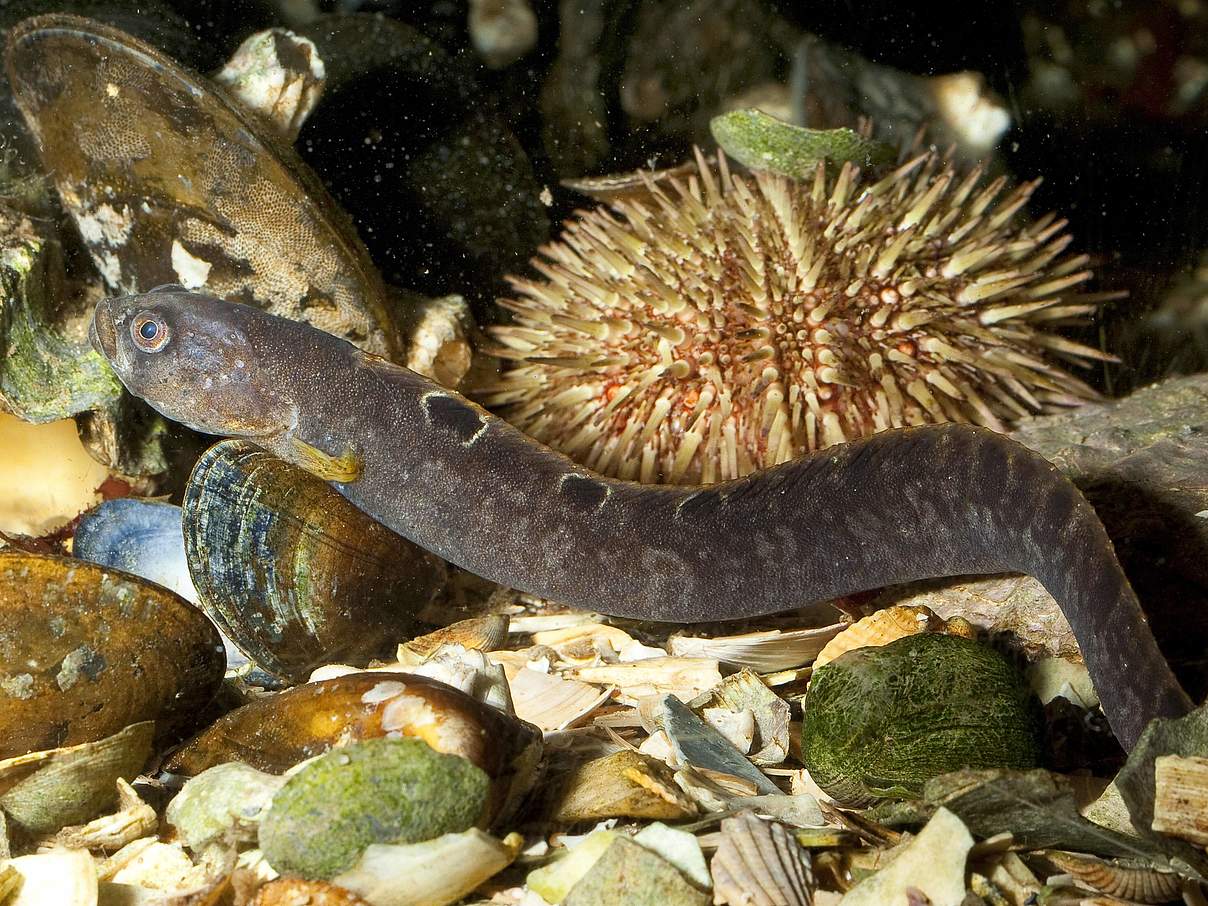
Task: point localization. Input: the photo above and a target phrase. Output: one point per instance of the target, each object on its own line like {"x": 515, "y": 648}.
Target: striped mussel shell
{"x": 292, "y": 572}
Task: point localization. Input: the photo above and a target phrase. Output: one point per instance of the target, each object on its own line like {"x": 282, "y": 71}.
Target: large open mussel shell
{"x": 169, "y": 181}
{"x": 294, "y": 573}
{"x": 86, "y": 651}
{"x": 275, "y": 732}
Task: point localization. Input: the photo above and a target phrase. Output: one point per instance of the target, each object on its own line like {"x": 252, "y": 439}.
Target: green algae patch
{"x": 763, "y": 142}
{"x": 881, "y": 722}
{"x": 377, "y": 791}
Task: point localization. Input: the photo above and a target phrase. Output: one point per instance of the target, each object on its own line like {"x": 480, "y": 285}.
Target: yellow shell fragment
{"x": 624, "y": 784}
{"x": 888, "y": 625}
{"x": 65, "y": 877}
{"x": 46, "y": 476}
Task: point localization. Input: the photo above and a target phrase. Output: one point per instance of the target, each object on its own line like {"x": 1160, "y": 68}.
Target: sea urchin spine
{"x": 715, "y": 324}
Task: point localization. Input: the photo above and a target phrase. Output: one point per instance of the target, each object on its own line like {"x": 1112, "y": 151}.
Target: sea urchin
{"x": 715, "y": 324}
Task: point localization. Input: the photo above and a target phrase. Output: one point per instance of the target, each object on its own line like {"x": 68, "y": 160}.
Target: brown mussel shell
{"x": 291, "y": 571}
{"x": 86, "y": 651}
{"x": 170, "y": 181}
{"x": 277, "y": 731}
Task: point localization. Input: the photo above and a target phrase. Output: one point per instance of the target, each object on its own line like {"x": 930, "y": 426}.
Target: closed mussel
{"x": 86, "y": 651}
{"x": 292, "y": 572}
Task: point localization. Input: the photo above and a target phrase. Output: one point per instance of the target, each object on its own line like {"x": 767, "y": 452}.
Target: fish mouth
{"x": 103, "y": 334}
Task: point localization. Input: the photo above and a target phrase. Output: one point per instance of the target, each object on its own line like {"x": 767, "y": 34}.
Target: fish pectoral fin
{"x": 344, "y": 468}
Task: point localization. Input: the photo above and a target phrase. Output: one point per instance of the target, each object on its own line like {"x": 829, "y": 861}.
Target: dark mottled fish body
{"x": 903, "y": 505}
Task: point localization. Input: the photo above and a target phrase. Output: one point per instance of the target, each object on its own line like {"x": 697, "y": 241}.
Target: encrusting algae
{"x": 715, "y": 324}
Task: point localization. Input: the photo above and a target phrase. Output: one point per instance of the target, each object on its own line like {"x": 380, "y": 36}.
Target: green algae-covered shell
{"x": 880, "y": 722}
{"x": 378, "y": 791}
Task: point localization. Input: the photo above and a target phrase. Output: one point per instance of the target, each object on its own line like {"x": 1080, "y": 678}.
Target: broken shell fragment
{"x": 552, "y": 702}
{"x": 376, "y": 791}
{"x": 85, "y": 651}
{"x": 432, "y": 873}
{"x": 880, "y": 722}
{"x": 744, "y": 693}
{"x": 277, "y": 74}
{"x": 757, "y": 863}
{"x": 933, "y": 863}
{"x": 646, "y": 879}
{"x": 65, "y": 877}
{"x": 170, "y": 181}
{"x": 766, "y": 650}
{"x": 275, "y": 732}
{"x": 622, "y": 785}
{"x": 300, "y": 892}
{"x": 225, "y": 802}
{"x": 291, "y": 571}
{"x": 485, "y": 633}
{"x": 704, "y": 748}
{"x": 44, "y": 791}
{"x": 1180, "y": 806}
{"x": 164, "y": 873}
{"x": 131, "y": 820}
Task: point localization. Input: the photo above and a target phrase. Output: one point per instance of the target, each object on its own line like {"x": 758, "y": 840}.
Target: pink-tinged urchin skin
{"x": 713, "y": 324}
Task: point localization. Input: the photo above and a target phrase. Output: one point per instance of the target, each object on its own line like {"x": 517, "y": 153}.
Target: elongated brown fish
{"x": 902, "y": 505}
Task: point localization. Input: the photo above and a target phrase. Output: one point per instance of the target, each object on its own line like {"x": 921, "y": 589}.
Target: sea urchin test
{"x": 905, "y": 504}
{"x": 704, "y": 325}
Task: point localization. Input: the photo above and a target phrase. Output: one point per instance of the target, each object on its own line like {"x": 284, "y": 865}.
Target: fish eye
{"x": 150, "y": 331}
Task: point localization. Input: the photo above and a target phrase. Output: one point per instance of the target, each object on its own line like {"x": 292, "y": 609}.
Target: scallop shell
{"x": 759, "y": 864}
{"x": 886, "y": 626}
{"x": 86, "y": 651}
{"x": 291, "y": 571}
{"x": 1135, "y": 883}
{"x": 170, "y": 181}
